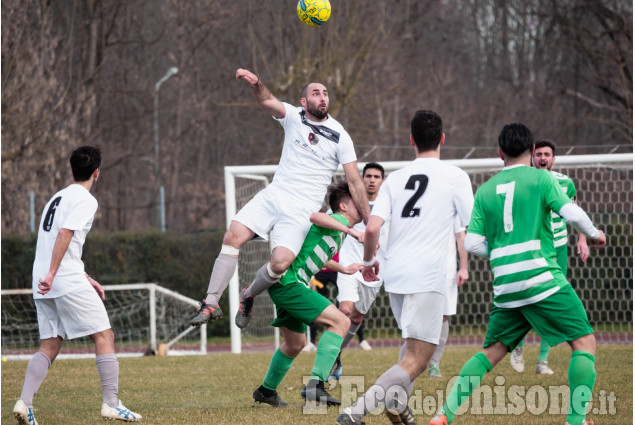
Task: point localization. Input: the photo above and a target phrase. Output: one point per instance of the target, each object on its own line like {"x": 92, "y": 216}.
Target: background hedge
{"x": 180, "y": 262}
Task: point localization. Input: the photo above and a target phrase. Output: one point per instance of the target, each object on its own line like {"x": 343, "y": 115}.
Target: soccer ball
{"x": 314, "y": 12}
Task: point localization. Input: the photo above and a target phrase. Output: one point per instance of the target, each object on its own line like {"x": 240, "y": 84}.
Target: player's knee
{"x": 346, "y": 308}
{"x": 293, "y": 348}
{"x": 279, "y": 265}
{"x": 585, "y": 343}
{"x": 356, "y": 317}
{"x": 342, "y": 323}
{"x": 231, "y": 239}
{"x": 104, "y": 339}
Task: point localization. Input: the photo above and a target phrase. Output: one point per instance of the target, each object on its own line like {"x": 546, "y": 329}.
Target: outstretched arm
{"x": 62, "y": 243}
{"x": 356, "y": 186}
{"x": 350, "y": 269}
{"x": 321, "y": 219}
{"x": 262, "y": 93}
{"x": 576, "y": 216}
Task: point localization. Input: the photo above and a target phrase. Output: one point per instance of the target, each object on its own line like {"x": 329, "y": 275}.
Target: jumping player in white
{"x": 315, "y": 144}
{"x": 420, "y": 202}
{"x": 68, "y": 301}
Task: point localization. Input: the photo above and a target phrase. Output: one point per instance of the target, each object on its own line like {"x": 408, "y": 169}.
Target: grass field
{"x": 216, "y": 389}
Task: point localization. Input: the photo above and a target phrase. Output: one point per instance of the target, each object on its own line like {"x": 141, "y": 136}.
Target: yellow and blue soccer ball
{"x": 314, "y": 12}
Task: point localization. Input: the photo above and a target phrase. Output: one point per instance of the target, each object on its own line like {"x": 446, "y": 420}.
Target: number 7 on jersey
{"x": 507, "y": 190}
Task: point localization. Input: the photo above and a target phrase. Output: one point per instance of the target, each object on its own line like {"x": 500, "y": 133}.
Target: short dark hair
{"x": 338, "y": 192}
{"x": 84, "y": 161}
{"x": 426, "y": 128}
{"x": 375, "y": 166}
{"x": 304, "y": 89}
{"x": 515, "y": 139}
{"x": 546, "y": 143}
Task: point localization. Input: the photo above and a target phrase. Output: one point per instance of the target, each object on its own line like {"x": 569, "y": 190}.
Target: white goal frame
{"x": 259, "y": 172}
{"x": 153, "y": 289}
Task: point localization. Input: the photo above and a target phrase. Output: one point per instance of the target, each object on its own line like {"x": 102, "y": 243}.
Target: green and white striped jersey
{"x": 558, "y": 224}
{"x": 320, "y": 245}
{"x": 513, "y": 211}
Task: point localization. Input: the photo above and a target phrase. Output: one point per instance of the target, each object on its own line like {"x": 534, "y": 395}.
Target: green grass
{"x": 217, "y": 388}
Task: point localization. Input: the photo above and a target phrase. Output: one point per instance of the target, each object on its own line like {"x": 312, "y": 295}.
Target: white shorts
{"x": 353, "y": 288}
{"x": 451, "y": 297}
{"x": 287, "y": 220}
{"x": 73, "y": 315}
{"x": 419, "y": 316}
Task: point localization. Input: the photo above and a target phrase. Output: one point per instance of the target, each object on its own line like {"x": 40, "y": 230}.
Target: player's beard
{"x": 316, "y": 112}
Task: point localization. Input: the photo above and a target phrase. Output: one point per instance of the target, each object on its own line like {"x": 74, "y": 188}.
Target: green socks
{"x": 469, "y": 379}
{"x": 278, "y": 368}
{"x": 581, "y": 380}
{"x": 544, "y": 350}
{"x": 327, "y": 350}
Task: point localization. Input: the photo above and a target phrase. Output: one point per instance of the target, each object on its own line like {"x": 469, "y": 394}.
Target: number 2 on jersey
{"x": 507, "y": 190}
{"x": 409, "y": 210}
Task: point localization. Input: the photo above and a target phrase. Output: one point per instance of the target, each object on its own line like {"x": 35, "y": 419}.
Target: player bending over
{"x": 298, "y": 306}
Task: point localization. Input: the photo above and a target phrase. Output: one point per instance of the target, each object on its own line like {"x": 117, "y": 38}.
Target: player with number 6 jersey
{"x": 68, "y": 301}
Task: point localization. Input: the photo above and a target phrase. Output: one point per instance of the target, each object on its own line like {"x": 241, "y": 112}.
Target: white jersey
{"x": 311, "y": 153}
{"x": 452, "y": 249}
{"x": 72, "y": 208}
{"x": 353, "y": 252}
{"x": 421, "y": 201}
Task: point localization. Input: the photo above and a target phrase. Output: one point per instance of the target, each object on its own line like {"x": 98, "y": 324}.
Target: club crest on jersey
{"x": 313, "y": 139}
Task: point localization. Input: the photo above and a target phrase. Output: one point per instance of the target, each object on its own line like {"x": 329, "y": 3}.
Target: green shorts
{"x": 296, "y": 306}
{"x": 562, "y": 259}
{"x": 559, "y": 317}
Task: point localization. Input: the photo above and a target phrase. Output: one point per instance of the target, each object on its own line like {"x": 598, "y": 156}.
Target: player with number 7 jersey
{"x": 511, "y": 224}
{"x": 513, "y": 211}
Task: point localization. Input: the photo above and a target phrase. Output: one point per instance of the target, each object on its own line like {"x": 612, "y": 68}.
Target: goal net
{"x": 604, "y": 283}
{"x": 143, "y": 317}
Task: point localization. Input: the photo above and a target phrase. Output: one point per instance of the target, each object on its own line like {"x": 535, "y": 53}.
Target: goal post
{"x": 142, "y": 316}
{"x": 604, "y": 282}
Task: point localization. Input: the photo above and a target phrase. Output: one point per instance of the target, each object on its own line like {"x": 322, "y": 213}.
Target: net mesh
{"x": 130, "y": 318}
{"x": 604, "y": 283}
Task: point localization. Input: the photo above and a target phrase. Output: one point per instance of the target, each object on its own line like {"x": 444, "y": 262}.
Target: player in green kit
{"x": 511, "y": 224}
{"x": 543, "y": 157}
{"x": 297, "y": 305}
